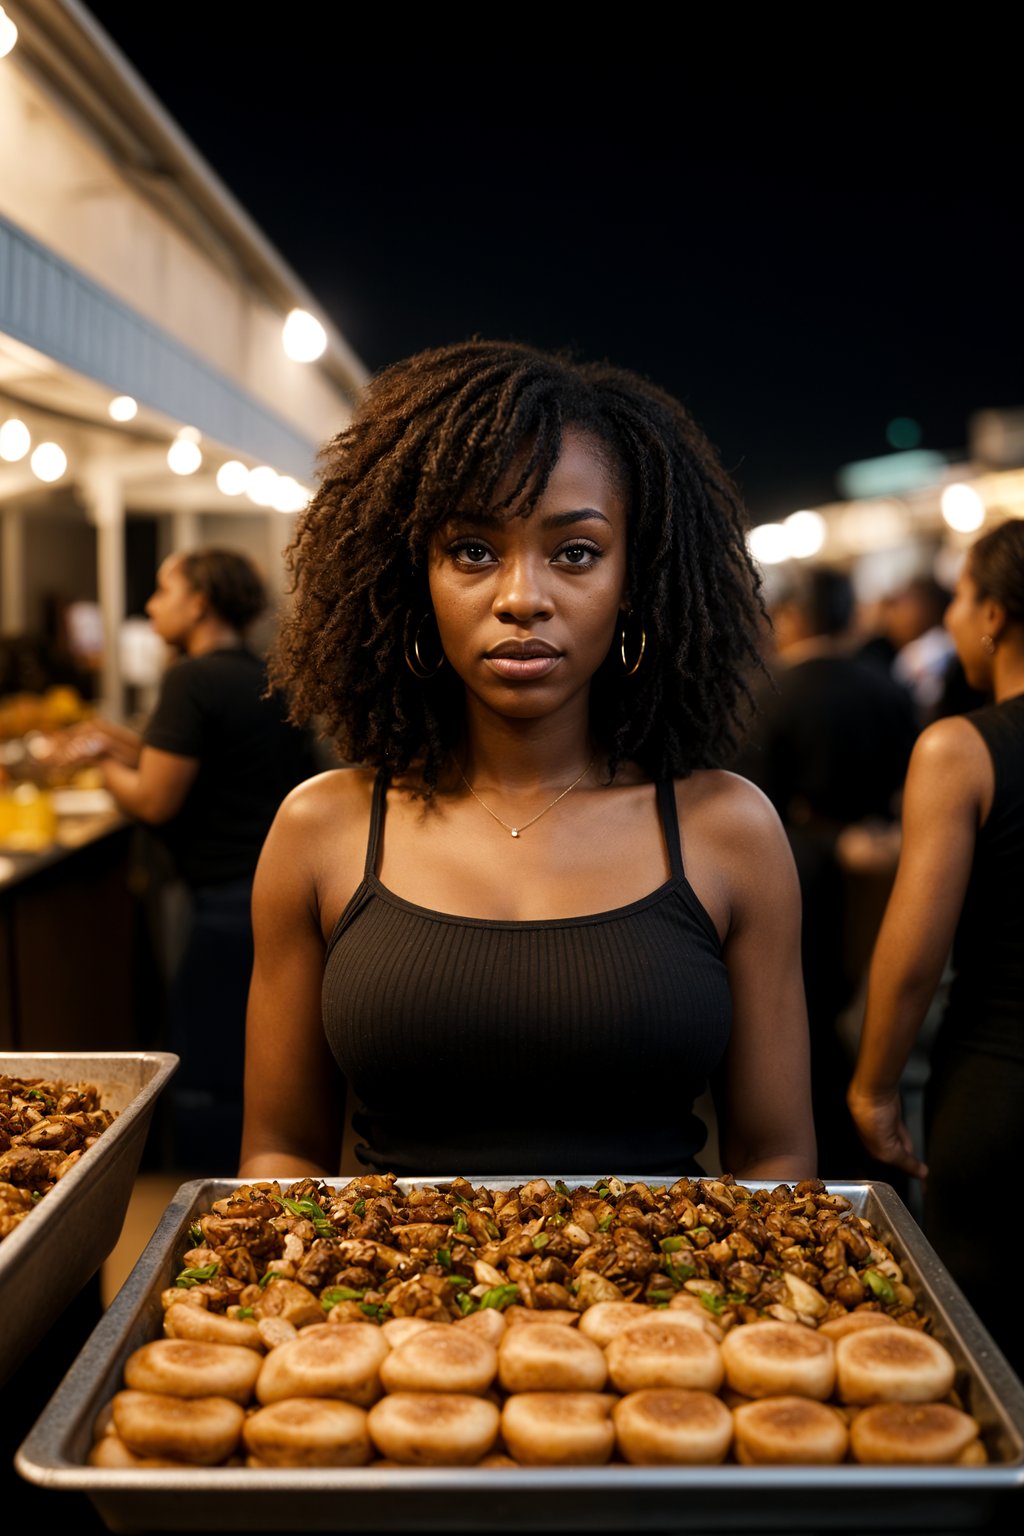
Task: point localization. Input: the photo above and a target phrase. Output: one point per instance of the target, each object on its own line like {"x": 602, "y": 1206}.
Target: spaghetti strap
{"x": 670, "y": 825}
{"x": 380, "y": 791}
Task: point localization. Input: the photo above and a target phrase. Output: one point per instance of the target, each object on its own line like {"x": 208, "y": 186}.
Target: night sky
{"x": 799, "y": 271}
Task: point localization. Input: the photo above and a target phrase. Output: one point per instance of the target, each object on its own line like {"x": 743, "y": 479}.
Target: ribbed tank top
{"x": 986, "y": 998}
{"x": 564, "y": 1045}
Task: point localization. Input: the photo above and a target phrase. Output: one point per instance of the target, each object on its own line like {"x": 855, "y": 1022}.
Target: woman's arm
{"x": 155, "y": 790}
{"x": 764, "y": 1093}
{"x": 947, "y": 794}
{"x": 294, "y": 1093}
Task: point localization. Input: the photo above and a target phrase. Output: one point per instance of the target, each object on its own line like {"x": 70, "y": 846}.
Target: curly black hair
{"x": 448, "y": 425}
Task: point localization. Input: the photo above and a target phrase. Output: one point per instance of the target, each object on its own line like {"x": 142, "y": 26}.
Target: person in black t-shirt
{"x": 208, "y": 773}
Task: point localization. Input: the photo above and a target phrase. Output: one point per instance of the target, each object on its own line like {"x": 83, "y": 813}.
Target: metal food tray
{"x": 60, "y": 1245}
{"x": 612, "y": 1497}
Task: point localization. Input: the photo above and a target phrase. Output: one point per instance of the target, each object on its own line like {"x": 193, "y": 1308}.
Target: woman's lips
{"x": 523, "y": 662}
{"x": 523, "y": 668}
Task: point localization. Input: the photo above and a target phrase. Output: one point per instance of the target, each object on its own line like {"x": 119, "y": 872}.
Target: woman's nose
{"x": 522, "y": 592}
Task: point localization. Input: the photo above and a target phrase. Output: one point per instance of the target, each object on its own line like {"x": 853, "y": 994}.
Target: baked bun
{"x": 433, "y": 1429}
{"x": 837, "y": 1328}
{"x": 111, "y": 1452}
{"x": 771, "y": 1359}
{"x": 691, "y": 1306}
{"x": 497, "y": 1459}
{"x": 902, "y": 1433}
{"x": 210, "y": 1328}
{"x": 892, "y": 1365}
{"x": 549, "y": 1315}
{"x": 200, "y": 1430}
{"x": 664, "y": 1355}
{"x": 672, "y": 1426}
{"x": 489, "y": 1323}
{"x": 604, "y": 1319}
{"x": 550, "y": 1358}
{"x": 308, "y": 1432}
{"x": 397, "y": 1329}
{"x": 440, "y": 1359}
{"x": 556, "y": 1429}
{"x": 183, "y": 1368}
{"x": 788, "y": 1429}
{"x": 328, "y": 1360}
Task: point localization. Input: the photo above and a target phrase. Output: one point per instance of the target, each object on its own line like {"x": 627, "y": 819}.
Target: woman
{"x": 524, "y": 606}
{"x": 208, "y": 773}
{"x": 959, "y": 883}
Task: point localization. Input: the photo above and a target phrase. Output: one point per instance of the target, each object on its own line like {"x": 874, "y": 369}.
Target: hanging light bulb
{"x": 15, "y": 440}
{"x": 303, "y": 337}
{"x": 48, "y": 462}
{"x": 123, "y": 408}
{"x": 184, "y": 457}
{"x": 232, "y": 478}
{"x": 8, "y": 33}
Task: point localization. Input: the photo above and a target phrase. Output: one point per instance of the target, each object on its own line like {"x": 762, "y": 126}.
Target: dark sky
{"x": 799, "y": 271}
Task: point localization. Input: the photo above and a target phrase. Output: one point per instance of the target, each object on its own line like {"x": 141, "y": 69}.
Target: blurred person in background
{"x": 959, "y": 885}
{"x": 208, "y": 772}
{"x": 914, "y": 645}
{"x": 829, "y": 746}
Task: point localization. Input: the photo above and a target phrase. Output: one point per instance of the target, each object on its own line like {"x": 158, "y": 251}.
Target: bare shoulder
{"x": 949, "y": 744}
{"x": 730, "y": 810}
{"x": 339, "y": 794}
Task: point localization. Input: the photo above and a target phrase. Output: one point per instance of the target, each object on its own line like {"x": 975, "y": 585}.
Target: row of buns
{"x": 648, "y": 1385}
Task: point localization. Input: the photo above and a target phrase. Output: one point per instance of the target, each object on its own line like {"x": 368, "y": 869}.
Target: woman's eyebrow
{"x": 565, "y": 519}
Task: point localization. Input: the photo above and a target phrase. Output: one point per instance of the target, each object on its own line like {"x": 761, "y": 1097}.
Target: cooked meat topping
{"x": 44, "y": 1129}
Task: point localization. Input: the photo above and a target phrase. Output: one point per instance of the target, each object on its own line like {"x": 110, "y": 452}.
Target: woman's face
{"x": 528, "y": 608}
{"x": 175, "y": 607}
{"x": 968, "y": 618}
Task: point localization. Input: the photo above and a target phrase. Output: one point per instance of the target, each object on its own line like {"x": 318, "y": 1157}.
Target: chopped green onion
{"x": 334, "y": 1293}
{"x": 602, "y": 1190}
{"x": 670, "y": 1244}
{"x": 264, "y": 1280}
{"x": 715, "y": 1304}
{"x": 359, "y": 1209}
{"x": 311, "y": 1211}
{"x": 443, "y": 1257}
{"x": 880, "y": 1285}
{"x": 562, "y": 1189}
{"x": 244, "y": 1312}
{"x": 500, "y": 1296}
{"x": 459, "y": 1222}
{"x": 459, "y": 1280}
{"x": 375, "y": 1309}
{"x": 190, "y": 1277}
{"x": 541, "y": 1240}
{"x": 195, "y": 1232}
{"x": 659, "y": 1298}
{"x": 605, "y": 1222}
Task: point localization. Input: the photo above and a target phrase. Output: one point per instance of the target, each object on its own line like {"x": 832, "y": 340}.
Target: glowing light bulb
{"x": 303, "y": 337}
{"x": 8, "y": 33}
{"x": 15, "y": 440}
{"x": 769, "y": 543}
{"x": 289, "y": 495}
{"x": 962, "y": 508}
{"x": 48, "y": 461}
{"x": 260, "y": 485}
{"x": 232, "y": 478}
{"x": 184, "y": 457}
{"x": 806, "y": 533}
{"x": 123, "y": 408}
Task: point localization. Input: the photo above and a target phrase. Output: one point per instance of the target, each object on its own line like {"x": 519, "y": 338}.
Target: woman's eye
{"x": 470, "y": 553}
{"x": 578, "y": 554}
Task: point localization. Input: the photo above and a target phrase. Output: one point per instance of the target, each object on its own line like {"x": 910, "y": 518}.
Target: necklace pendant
{"x": 515, "y": 831}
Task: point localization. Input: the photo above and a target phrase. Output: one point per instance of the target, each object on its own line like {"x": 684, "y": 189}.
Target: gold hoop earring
{"x": 988, "y": 645}
{"x": 419, "y": 667}
{"x": 629, "y": 670}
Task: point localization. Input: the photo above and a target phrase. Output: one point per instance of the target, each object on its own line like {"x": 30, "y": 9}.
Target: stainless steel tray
{"x": 600, "y": 1498}
{"x": 60, "y": 1245}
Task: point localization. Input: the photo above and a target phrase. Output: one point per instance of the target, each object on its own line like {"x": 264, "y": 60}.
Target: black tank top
{"x": 986, "y": 998}
{"x": 569, "y": 1045}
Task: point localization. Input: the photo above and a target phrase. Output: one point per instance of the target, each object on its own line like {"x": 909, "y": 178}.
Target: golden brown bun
{"x": 902, "y": 1433}
{"x": 602, "y": 1321}
{"x": 674, "y": 1426}
{"x": 497, "y": 1459}
{"x": 488, "y": 1322}
{"x": 433, "y": 1429}
{"x": 550, "y": 1359}
{"x": 855, "y": 1322}
{"x": 329, "y": 1360}
{"x": 210, "y": 1328}
{"x": 183, "y": 1368}
{"x": 516, "y": 1314}
{"x": 308, "y": 1432}
{"x": 555, "y": 1429}
{"x": 110, "y": 1451}
{"x": 892, "y": 1365}
{"x": 199, "y": 1430}
{"x": 789, "y": 1429}
{"x": 772, "y": 1359}
{"x": 664, "y": 1355}
{"x": 397, "y": 1329}
{"x": 440, "y": 1359}
{"x": 692, "y": 1307}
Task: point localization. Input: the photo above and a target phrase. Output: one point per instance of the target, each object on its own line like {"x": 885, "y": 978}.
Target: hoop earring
{"x": 419, "y": 667}
{"x": 988, "y": 645}
{"x": 629, "y": 670}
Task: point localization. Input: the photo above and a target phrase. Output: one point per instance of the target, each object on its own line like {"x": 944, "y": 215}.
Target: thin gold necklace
{"x": 515, "y": 831}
